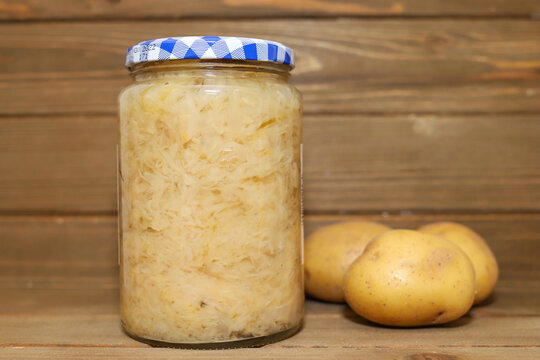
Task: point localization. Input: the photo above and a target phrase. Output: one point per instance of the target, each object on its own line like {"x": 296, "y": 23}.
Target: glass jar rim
{"x": 210, "y": 67}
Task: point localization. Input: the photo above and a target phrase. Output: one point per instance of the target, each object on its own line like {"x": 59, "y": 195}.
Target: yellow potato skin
{"x": 406, "y": 278}
{"x": 484, "y": 262}
{"x": 330, "y": 251}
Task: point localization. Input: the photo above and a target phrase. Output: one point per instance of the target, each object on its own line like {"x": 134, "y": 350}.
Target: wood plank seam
{"x": 165, "y": 19}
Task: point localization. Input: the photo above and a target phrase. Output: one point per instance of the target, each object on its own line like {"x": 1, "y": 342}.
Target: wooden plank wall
{"x": 415, "y": 111}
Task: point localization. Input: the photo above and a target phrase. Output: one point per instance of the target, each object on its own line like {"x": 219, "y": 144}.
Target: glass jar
{"x": 210, "y": 196}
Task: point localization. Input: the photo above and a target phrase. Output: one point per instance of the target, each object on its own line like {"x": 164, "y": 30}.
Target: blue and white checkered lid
{"x": 210, "y": 47}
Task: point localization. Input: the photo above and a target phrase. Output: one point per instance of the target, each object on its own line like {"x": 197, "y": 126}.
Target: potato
{"x": 484, "y": 262}
{"x": 407, "y": 278}
{"x": 328, "y": 253}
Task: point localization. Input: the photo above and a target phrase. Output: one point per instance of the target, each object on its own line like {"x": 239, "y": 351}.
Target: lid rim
{"x": 209, "y": 48}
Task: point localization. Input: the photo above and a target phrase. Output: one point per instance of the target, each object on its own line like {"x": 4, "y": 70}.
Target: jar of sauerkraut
{"x": 210, "y": 193}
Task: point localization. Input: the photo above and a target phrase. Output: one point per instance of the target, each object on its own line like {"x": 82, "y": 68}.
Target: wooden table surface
{"x": 415, "y": 111}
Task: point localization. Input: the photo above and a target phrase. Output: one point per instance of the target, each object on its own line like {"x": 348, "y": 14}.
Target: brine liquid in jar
{"x": 210, "y": 193}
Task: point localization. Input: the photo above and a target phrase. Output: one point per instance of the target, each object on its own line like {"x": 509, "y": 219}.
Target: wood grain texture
{"x": 48, "y": 301}
{"x": 422, "y": 163}
{"x": 418, "y": 353}
{"x": 345, "y": 330}
{"x": 47, "y": 314}
{"x": 175, "y": 9}
{"x": 512, "y": 298}
{"x": 351, "y": 163}
{"x": 47, "y": 321}
{"x": 65, "y": 164}
{"x": 344, "y": 65}
{"x": 59, "y": 251}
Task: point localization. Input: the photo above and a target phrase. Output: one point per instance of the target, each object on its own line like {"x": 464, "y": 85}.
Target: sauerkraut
{"x": 210, "y": 206}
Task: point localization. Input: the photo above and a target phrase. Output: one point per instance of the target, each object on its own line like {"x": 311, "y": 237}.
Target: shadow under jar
{"x": 210, "y": 194}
